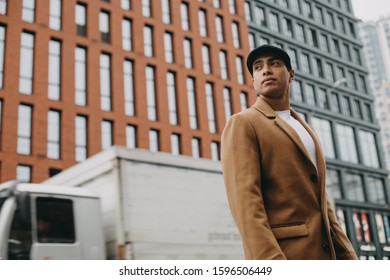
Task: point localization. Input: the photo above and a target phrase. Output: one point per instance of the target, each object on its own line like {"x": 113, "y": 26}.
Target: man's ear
{"x": 292, "y": 74}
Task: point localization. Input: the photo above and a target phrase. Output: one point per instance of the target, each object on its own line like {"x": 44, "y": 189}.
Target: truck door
{"x": 54, "y": 232}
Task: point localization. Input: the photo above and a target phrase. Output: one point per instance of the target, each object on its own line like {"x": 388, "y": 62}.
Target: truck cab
{"x": 49, "y": 222}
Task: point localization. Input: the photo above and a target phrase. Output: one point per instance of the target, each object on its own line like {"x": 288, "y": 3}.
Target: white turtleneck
{"x": 306, "y": 138}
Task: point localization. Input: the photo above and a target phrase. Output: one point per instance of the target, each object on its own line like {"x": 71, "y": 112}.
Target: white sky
{"x": 371, "y": 10}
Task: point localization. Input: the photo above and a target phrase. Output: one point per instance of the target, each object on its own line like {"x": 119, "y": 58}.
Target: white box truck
{"x": 121, "y": 204}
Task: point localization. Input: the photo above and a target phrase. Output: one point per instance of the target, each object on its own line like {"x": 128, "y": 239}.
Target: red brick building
{"x": 80, "y": 76}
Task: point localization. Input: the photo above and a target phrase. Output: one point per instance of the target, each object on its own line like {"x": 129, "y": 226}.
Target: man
{"x": 274, "y": 172}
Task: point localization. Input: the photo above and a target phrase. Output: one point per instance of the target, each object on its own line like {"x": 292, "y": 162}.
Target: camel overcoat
{"x": 276, "y": 194}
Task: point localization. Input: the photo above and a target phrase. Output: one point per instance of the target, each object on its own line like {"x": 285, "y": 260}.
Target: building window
{"x": 195, "y": 145}
{"x": 23, "y": 173}
{"x": 313, "y": 38}
{"x": 210, "y": 108}
{"x": 105, "y": 82}
{"x": 28, "y": 10}
{"x": 307, "y": 10}
{"x": 24, "y": 130}
{"x": 352, "y": 80}
{"x": 126, "y": 4}
{"x": 293, "y": 56}
{"x": 322, "y": 99}
{"x": 295, "y": 6}
{"x": 305, "y": 63}
{"x": 382, "y": 228}
{"x": 81, "y": 19}
{"x": 310, "y": 98}
{"x": 329, "y": 75}
{"x": 168, "y": 44}
{"x": 219, "y": 28}
{"x": 81, "y": 76}
{"x": 202, "y": 23}
{"x": 175, "y": 144}
{"x": 296, "y": 91}
{"x": 223, "y": 65}
{"x": 240, "y": 71}
{"x": 146, "y": 8}
{"x": 104, "y": 26}
{"x": 330, "y": 20}
{"x": 243, "y": 101}
{"x": 192, "y": 110}
{"x": 333, "y": 185}
{"x": 346, "y": 105}
{"x": 187, "y": 47}
{"x": 2, "y": 47}
{"x": 347, "y": 144}
{"x": 217, "y": 4}
{"x": 300, "y": 33}
{"x": 287, "y": 27}
{"x": 248, "y": 14}
{"x": 150, "y": 94}
{"x": 324, "y": 132}
{"x": 232, "y": 7}
{"x": 55, "y": 14}
{"x": 324, "y": 42}
{"x": 206, "y": 59}
{"x": 106, "y": 133}
{"x": 357, "y": 111}
{"x": 354, "y": 187}
{"x": 251, "y": 40}
{"x": 3, "y": 7}
{"x": 81, "y": 138}
{"x": 215, "y": 151}
{"x": 54, "y": 171}
{"x": 148, "y": 41}
{"x": 26, "y": 63}
{"x": 166, "y": 11}
{"x": 236, "y": 35}
{"x": 274, "y": 22}
{"x": 319, "y": 15}
{"x": 53, "y": 134}
{"x": 227, "y": 103}
{"x": 154, "y": 140}
{"x": 185, "y": 21}
{"x": 172, "y": 106}
{"x": 334, "y": 101}
{"x": 260, "y": 16}
{"x": 54, "y": 80}
{"x": 368, "y": 149}
{"x": 126, "y": 35}
{"x": 375, "y": 190}
{"x": 128, "y": 87}
{"x": 131, "y": 136}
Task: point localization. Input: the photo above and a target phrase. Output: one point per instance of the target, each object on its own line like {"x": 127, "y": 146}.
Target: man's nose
{"x": 266, "y": 70}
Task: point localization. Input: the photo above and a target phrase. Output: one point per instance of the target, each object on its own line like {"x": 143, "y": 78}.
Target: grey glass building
{"x": 331, "y": 91}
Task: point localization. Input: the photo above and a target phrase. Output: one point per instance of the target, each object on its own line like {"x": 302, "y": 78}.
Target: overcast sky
{"x": 371, "y": 10}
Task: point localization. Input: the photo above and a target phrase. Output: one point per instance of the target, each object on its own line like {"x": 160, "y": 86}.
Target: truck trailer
{"x": 121, "y": 204}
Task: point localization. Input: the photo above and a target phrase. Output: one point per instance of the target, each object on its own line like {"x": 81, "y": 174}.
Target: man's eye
{"x": 257, "y": 67}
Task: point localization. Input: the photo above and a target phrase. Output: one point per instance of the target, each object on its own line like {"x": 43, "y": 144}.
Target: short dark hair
{"x": 267, "y": 49}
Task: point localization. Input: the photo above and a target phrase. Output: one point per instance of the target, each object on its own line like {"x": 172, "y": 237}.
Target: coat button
{"x": 325, "y": 247}
{"x": 314, "y": 177}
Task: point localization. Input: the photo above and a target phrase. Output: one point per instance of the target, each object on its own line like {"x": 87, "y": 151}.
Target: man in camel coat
{"x": 274, "y": 172}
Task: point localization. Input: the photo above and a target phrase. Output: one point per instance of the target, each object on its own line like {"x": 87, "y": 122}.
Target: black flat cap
{"x": 267, "y": 49}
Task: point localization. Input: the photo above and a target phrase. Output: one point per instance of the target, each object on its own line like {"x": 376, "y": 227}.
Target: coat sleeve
{"x": 343, "y": 247}
{"x": 241, "y": 166}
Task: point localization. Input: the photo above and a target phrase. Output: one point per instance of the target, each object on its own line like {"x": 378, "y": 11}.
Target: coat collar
{"x": 263, "y": 107}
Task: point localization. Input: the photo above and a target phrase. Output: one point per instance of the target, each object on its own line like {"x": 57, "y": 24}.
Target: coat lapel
{"x": 267, "y": 110}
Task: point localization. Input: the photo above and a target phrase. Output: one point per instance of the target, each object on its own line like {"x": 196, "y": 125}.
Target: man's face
{"x": 271, "y": 78}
